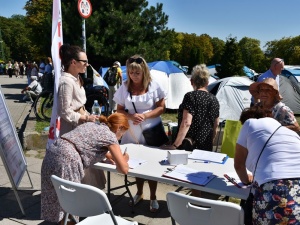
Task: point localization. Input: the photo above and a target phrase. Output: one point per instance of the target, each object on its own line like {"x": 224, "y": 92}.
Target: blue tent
{"x": 249, "y": 72}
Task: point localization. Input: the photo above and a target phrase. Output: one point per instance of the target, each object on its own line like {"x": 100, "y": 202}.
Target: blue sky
{"x": 264, "y": 20}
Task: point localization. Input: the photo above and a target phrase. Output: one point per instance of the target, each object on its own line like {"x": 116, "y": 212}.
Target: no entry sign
{"x": 84, "y": 8}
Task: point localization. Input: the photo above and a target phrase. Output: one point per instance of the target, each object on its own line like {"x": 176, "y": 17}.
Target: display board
{"x": 10, "y": 148}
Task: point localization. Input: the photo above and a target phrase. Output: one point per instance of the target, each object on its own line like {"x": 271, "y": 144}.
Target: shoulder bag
{"x": 154, "y": 136}
{"x": 248, "y": 205}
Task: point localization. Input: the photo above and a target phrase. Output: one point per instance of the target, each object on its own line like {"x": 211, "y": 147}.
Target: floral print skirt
{"x": 277, "y": 202}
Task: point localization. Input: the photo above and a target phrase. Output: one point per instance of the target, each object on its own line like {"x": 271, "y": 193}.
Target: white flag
{"x": 57, "y": 41}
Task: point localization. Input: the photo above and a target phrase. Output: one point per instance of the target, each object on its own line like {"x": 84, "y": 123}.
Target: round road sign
{"x": 84, "y": 8}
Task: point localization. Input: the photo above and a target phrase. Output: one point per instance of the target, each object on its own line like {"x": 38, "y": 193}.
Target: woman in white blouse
{"x": 71, "y": 100}
{"x": 149, "y": 100}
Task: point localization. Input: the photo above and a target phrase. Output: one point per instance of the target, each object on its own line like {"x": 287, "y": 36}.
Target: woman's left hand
{"x": 168, "y": 147}
{"x": 138, "y": 118}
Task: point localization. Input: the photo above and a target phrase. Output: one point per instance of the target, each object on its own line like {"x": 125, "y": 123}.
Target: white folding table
{"x": 153, "y": 170}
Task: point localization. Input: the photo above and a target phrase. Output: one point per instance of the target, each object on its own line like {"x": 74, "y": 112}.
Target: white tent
{"x": 176, "y": 85}
{"x": 233, "y": 95}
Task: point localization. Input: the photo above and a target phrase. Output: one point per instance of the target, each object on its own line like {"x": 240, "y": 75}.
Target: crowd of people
{"x": 267, "y": 148}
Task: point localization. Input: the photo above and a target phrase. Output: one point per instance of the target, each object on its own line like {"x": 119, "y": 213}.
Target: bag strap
{"x": 262, "y": 152}
{"x": 132, "y": 102}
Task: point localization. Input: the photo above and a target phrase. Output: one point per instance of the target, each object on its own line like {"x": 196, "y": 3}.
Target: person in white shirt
{"x": 276, "y": 173}
{"x": 32, "y": 90}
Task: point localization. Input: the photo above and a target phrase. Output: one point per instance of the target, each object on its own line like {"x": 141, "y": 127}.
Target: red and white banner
{"x": 57, "y": 41}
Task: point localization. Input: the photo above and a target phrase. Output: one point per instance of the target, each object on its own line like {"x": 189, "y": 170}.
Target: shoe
{"x": 154, "y": 206}
{"x": 136, "y": 199}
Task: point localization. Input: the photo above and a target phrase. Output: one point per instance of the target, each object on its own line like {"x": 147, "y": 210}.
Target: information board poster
{"x": 10, "y": 148}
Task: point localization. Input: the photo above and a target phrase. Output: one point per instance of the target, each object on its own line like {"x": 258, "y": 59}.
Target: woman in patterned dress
{"x": 276, "y": 185}
{"x": 198, "y": 114}
{"x": 269, "y": 97}
{"x": 77, "y": 150}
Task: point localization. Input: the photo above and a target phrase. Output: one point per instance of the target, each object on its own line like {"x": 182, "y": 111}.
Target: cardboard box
{"x": 176, "y": 157}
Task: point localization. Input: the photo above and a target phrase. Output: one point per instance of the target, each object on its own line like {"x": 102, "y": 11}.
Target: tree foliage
{"x": 16, "y": 43}
{"x": 231, "y": 61}
{"x": 252, "y": 55}
{"x": 118, "y": 29}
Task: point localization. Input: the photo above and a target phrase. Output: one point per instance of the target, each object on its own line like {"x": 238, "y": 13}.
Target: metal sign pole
{"x": 84, "y": 41}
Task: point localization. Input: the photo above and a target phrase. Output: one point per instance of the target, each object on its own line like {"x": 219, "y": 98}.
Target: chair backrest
{"x": 80, "y": 199}
{"x": 189, "y": 210}
{"x": 231, "y": 132}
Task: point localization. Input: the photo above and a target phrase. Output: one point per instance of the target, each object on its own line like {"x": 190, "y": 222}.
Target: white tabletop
{"x": 153, "y": 170}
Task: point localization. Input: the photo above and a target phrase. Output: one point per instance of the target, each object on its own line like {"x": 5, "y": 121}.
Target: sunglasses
{"x": 83, "y": 60}
{"x": 137, "y": 60}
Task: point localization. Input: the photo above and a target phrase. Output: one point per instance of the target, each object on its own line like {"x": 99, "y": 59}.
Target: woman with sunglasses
{"x": 146, "y": 95}
{"x": 71, "y": 100}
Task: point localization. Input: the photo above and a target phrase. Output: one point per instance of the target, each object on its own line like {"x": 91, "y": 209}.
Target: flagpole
{"x": 57, "y": 41}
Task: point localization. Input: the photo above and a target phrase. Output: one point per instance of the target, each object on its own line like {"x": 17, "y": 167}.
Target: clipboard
{"x": 186, "y": 174}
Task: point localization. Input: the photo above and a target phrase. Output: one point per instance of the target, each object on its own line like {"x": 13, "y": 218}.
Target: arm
{"x": 119, "y": 159}
{"x": 184, "y": 127}
{"x": 286, "y": 115}
{"x": 240, "y": 163}
{"x": 216, "y": 124}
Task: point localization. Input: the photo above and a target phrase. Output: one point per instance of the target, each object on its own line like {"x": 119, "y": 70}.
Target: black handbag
{"x": 187, "y": 144}
{"x": 154, "y": 136}
{"x": 248, "y": 205}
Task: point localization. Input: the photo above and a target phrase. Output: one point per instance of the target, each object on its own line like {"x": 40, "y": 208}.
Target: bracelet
{"x": 175, "y": 146}
{"x": 86, "y": 118}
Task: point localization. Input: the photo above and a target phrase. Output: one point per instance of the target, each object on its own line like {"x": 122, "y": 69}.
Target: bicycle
{"x": 43, "y": 105}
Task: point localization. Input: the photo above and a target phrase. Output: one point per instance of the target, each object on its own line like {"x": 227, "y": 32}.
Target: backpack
{"x": 110, "y": 76}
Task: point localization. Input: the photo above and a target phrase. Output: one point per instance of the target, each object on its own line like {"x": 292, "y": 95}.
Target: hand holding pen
{"x": 125, "y": 155}
{"x": 232, "y": 180}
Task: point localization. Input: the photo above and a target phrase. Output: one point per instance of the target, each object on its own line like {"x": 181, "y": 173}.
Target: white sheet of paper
{"x": 207, "y": 156}
{"x": 133, "y": 162}
{"x": 184, "y": 173}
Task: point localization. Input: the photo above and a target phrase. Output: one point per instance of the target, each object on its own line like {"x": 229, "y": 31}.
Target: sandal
{"x": 136, "y": 199}
{"x": 154, "y": 206}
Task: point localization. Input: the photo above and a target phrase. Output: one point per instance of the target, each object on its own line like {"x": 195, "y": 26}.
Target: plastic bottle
{"x": 96, "y": 109}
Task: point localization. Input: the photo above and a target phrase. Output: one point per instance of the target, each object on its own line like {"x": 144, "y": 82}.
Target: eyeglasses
{"x": 85, "y": 61}
{"x": 137, "y": 60}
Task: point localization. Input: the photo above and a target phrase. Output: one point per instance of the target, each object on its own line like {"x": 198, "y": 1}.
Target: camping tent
{"x": 172, "y": 79}
{"x": 289, "y": 90}
{"x": 249, "y": 72}
{"x": 233, "y": 95}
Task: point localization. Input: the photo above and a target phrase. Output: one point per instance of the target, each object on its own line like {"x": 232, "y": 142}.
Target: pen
{"x": 232, "y": 180}
{"x": 125, "y": 151}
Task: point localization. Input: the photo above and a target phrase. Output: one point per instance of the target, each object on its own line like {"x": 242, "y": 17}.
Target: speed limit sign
{"x": 84, "y": 8}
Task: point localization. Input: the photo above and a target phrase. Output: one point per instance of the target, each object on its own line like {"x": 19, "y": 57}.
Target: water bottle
{"x": 96, "y": 109}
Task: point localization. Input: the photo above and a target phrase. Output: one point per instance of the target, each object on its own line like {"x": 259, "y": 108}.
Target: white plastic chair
{"x": 189, "y": 210}
{"x": 86, "y": 201}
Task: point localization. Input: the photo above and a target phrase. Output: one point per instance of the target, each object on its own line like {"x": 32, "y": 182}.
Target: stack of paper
{"x": 184, "y": 173}
{"x": 208, "y": 156}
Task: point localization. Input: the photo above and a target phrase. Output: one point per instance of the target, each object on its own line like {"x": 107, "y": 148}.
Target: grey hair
{"x": 200, "y": 76}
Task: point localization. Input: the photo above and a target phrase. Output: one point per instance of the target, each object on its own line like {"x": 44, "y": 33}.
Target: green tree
{"x": 252, "y": 55}
{"x": 218, "y": 47}
{"x": 115, "y": 30}
{"x": 231, "y": 61}
{"x": 16, "y": 42}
